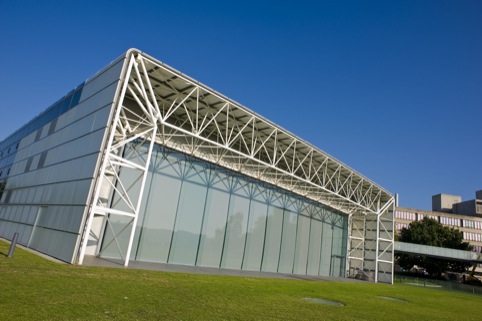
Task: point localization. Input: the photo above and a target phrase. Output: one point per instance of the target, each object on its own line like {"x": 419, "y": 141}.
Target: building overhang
{"x": 192, "y": 118}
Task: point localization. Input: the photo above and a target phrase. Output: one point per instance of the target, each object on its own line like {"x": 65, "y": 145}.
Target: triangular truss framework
{"x": 160, "y": 105}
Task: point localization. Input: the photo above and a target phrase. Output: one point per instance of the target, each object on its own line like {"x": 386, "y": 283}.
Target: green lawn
{"x": 33, "y": 288}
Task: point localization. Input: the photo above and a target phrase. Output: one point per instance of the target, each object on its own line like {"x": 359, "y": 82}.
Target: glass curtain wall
{"x": 197, "y": 213}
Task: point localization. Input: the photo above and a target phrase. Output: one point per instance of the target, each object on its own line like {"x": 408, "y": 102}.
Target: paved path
{"x": 112, "y": 263}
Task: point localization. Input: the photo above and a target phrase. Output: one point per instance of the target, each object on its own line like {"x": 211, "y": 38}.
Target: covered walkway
{"x": 440, "y": 252}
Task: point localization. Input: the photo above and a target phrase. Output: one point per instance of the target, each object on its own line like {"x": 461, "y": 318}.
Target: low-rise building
{"x": 449, "y": 210}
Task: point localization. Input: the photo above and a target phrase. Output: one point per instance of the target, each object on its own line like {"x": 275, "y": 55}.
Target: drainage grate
{"x": 392, "y": 299}
{"x": 323, "y": 301}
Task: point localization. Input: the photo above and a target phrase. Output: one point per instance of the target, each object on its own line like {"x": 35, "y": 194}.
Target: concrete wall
{"x": 465, "y": 208}
{"x": 478, "y": 195}
{"x": 444, "y": 202}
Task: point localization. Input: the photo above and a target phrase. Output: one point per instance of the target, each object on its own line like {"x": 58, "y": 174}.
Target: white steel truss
{"x": 371, "y": 246}
{"x": 161, "y": 105}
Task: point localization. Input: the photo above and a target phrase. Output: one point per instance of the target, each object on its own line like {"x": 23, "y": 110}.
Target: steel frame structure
{"x": 160, "y": 105}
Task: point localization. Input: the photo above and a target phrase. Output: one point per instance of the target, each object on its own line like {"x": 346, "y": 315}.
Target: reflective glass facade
{"x": 197, "y": 213}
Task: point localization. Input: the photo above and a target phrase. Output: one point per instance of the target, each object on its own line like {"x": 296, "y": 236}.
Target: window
{"x": 41, "y": 161}
{"x": 29, "y": 164}
{"x": 53, "y": 124}
{"x": 7, "y": 193}
{"x": 2, "y": 188}
{"x": 37, "y": 135}
{"x": 479, "y": 208}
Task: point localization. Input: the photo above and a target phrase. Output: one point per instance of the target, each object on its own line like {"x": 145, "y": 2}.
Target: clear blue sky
{"x": 391, "y": 88}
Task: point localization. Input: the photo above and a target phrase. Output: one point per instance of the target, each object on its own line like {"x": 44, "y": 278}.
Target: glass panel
{"x": 255, "y": 238}
{"x": 326, "y": 249}
{"x": 158, "y": 225}
{"x": 288, "y": 242}
{"x": 235, "y": 237}
{"x": 214, "y": 226}
{"x": 273, "y": 239}
{"x": 66, "y": 103}
{"x": 338, "y": 252}
{"x": 302, "y": 242}
{"x": 76, "y": 97}
{"x": 141, "y": 218}
{"x": 197, "y": 214}
{"x": 189, "y": 218}
{"x": 314, "y": 248}
{"x": 130, "y": 178}
{"x": 116, "y": 237}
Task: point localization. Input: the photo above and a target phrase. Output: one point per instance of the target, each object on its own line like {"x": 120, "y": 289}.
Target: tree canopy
{"x": 430, "y": 232}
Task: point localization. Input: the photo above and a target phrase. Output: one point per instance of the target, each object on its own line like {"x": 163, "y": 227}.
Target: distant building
{"x": 453, "y": 204}
{"x": 444, "y": 202}
{"x": 449, "y": 210}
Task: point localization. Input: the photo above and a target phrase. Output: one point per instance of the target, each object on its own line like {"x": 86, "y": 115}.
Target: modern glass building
{"x": 141, "y": 162}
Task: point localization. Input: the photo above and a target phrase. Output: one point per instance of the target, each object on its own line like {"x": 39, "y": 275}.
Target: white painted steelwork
{"x": 159, "y": 104}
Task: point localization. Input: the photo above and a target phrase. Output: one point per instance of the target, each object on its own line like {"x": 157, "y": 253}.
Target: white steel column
{"x": 377, "y": 248}
{"x": 385, "y": 240}
{"x": 101, "y": 175}
{"x": 132, "y": 122}
{"x": 141, "y": 193}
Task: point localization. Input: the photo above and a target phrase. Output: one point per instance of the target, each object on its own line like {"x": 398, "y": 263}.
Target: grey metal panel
{"x": 56, "y": 243}
{"x": 102, "y": 80}
{"x": 101, "y": 99}
{"x": 7, "y": 212}
{"x": 25, "y": 234}
{"x": 6, "y": 231}
{"x": 32, "y": 213}
{"x": 101, "y": 118}
{"x": 82, "y": 119}
{"x": 75, "y": 220}
{"x": 27, "y": 141}
{"x": 81, "y": 192}
{"x": 3, "y": 229}
{"x": 19, "y": 196}
{"x": 30, "y": 195}
{"x": 88, "y": 165}
{"x": 65, "y": 171}
{"x": 93, "y": 142}
{"x": 23, "y": 214}
{"x": 80, "y": 128}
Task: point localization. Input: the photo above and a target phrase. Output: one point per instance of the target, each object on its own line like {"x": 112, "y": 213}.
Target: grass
{"x": 33, "y": 288}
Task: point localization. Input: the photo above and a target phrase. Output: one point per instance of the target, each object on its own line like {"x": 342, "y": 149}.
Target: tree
{"x": 430, "y": 232}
